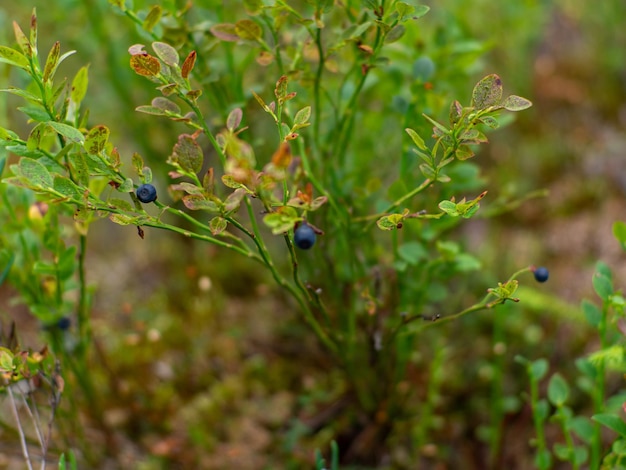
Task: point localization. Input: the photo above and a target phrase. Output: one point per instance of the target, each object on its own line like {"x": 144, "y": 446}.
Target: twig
{"x": 19, "y": 428}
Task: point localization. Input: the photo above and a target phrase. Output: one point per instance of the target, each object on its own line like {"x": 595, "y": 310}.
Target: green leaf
{"x": 562, "y": 452}
{"x": 586, "y": 367}
{"x": 428, "y": 171}
{"x": 604, "y": 269}
{"x": 120, "y": 204}
{"x": 233, "y": 201}
{"x": 602, "y": 286}
{"x": 234, "y": 119}
{"x": 127, "y": 186}
{"x": 97, "y": 139}
{"x": 23, "y": 93}
{"x": 7, "y": 135}
{"x": 558, "y": 390}
{"x": 420, "y": 10}
{"x": 166, "y": 105}
{"x": 122, "y": 219}
{"x": 187, "y": 188}
{"x": 69, "y": 132}
{"x": 151, "y": 110}
{"x": 516, "y": 103}
{"x": 265, "y": 107}
{"x": 67, "y": 187}
{"x": 281, "y": 89}
{"x": 437, "y": 125}
{"x": 302, "y": 117}
{"x": 52, "y": 61}
{"x": 538, "y": 369}
{"x": 463, "y": 152}
{"x": 146, "y": 175}
{"x": 593, "y": 315}
{"x": 449, "y": 208}
{"x": 200, "y": 203}
{"x": 248, "y": 29}
{"x": 23, "y": 41}
{"x": 465, "y": 262}
{"x": 225, "y": 32}
{"x": 13, "y": 57}
{"x": 80, "y": 168}
{"x": 395, "y": 33}
{"x": 581, "y": 454}
{"x": 67, "y": 263}
{"x": 217, "y": 225}
{"x": 187, "y": 154}
{"x": 619, "y": 232}
{"x": 36, "y": 113}
{"x": 583, "y": 428}
{"x": 613, "y": 422}
{"x": 282, "y": 220}
{"x": 358, "y": 31}
{"x": 253, "y": 7}
{"x": 230, "y": 182}
{"x": 412, "y": 252}
{"x": 166, "y": 53}
{"x": 490, "y": 121}
{"x": 404, "y": 10}
{"x": 152, "y": 18}
{"x": 62, "y": 463}
{"x": 36, "y": 136}
{"x": 79, "y": 85}
{"x": 137, "y": 163}
{"x": 417, "y": 140}
{"x": 487, "y": 92}
{"x": 392, "y": 221}
{"x": 37, "y": 174}
{"x": 44, "y": 268}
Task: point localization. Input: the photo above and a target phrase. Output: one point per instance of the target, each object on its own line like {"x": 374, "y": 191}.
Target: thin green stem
{"x": 490, "y": 300}
{"x": 599, "y": 391}
{"x": 20, "y": 430}
{"x": 316, "y": 91}
{"x": 84, "y": 326}
{"x": 294, "y": 264}
{"x": 296, "y": 294}
{"x": 206, "y": 238}
{"x": 206, "y": 129}
{"x": 275, "y": 38}
{"x": 541, "y": 443}
{"x": 414, "y": 192}
{"x": 569, "y": 442}
{"x": 310, "y": 175}
{"x": 497, "y": 404}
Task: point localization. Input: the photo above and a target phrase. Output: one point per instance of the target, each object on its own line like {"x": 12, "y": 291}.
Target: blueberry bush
{"x": 280, "y": 163}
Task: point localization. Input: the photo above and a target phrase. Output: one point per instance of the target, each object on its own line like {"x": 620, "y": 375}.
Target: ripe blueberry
{"x": 304, "y": 236}
{"x": 146, "y": 193}
{"x": 64, "y": 323}
{"x": 541, "y": 274}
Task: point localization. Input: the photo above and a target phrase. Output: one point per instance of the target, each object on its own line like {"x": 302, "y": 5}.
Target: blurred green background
{"x": 200, "y": 364}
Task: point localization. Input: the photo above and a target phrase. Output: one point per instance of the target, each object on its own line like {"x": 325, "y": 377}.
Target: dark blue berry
{"x": 146, "y": 193}
{"x": 304, "y": 236}
{"x": 541, "y": 274}
{"x": 64, "y": 323}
